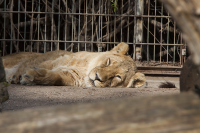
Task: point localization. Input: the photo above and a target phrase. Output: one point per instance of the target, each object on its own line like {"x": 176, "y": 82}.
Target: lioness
{"x": 86, "y": 69}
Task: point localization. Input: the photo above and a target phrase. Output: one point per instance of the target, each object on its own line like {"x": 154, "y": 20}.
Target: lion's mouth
{"x": 97, "y": 83}
{"x": 92, "y": 82}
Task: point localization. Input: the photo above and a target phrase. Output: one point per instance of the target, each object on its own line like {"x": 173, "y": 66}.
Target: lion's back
{"x": 48, "y": 56}
{"x": 17, "y": 58}
{"x": 31, "y": 58}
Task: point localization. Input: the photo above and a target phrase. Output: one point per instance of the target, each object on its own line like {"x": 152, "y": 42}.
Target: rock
{"x": 190, "y": 77}
{"x": 3, "y": 92}
{"x": 3, "y": 85}
{"x": 2, "y": 73}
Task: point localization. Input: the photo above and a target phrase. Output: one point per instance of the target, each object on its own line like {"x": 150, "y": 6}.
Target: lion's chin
{"x": 98, "y": 84}
{"x": 92, "y": 82}
{"x": 89, "y": 82}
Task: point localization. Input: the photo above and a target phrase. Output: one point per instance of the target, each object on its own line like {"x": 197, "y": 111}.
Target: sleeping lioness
{"x": 86, "y": 69}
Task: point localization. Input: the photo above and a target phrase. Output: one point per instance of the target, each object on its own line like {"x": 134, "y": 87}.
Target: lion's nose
{"x": 97, "y": 77}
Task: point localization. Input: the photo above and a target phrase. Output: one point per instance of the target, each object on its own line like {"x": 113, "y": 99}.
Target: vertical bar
{"x": 45, "y": 28}
{"x": 11, "y": 31}
{"x": 52, "y": 25}
{"x": 134, "y": 36}
{"x": 72, "y": 35}
{"x": 99, "y": 17}
{"x": 66, "y": 26}
{"x": 154, "y": 47}
{"x": 115, "y": 28}
{"x": 185, "y": 51}
{"x": 121, "y": 19}
{"x": 181, "y": 47}
{"x": 31, "y": 27}
{"x": 86, "y": 25}
{"x": 108, "y": 21}
{"x": 38, "y": 26}
{"x": 79, "y": 23}
{"x": 128, "y": 22}
{"x": 4, "y": 31}
{"x": 18, "y": 26}
{"x": 161, "y": 32}
{"x": 168, "y": 40}
{"x": 25, "y": 28}
{"x": 101, "y": 23}
{"x": 59, "y": 27}
{"x": 183, "y": 56}
{"x": 99, "y": 26}
{"x": 92, "y": 25}
{"x": 138, "y": 25}
{"x": 174, "y": 41}
{"x": 148, "y": 32}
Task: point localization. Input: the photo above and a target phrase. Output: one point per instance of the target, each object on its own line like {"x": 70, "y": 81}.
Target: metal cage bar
{"x": 4, "y": 32}
{"x": 154, "y": 31}
{"x": 38, "y": 28}
{"x": 161, "y": 33}
{"x": 45, "y": 28}
{"x": 86, "y": 24}
{"x": 18, "y": 28}
{"x": 89, "y": 25}
{"x": 25, "y": 26}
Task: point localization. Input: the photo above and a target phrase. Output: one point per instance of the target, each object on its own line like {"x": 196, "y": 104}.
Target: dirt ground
{"x": 22, "y": 97}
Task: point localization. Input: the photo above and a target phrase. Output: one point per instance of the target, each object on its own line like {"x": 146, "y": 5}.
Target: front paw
{"x": 13, "y": 79}
{"x": 33, "y": 76}
{"x": 27, "y": 79}
{"x": 9, "y": 79}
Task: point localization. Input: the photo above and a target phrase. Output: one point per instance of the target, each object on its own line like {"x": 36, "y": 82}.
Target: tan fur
{"x": 12, "y": 62}
{"x": 23, "y": 61}
{"x": 13, "y": 59}
{"x": 105, "y": 69}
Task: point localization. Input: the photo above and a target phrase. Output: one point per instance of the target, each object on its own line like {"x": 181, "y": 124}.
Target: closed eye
{"x": 118, "y": 76}
{"x": 108, "y": 62}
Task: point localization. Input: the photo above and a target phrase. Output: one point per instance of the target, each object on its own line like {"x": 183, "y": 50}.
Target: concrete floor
{"x": 22, "y": 97}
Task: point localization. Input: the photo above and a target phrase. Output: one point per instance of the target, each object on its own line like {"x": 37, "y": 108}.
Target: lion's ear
{"x": 121, "y": 48}
{"x": 137, "y": 80}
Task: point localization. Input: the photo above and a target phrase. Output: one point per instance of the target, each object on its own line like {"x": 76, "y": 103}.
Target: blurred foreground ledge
{"x": 174, "y": 113}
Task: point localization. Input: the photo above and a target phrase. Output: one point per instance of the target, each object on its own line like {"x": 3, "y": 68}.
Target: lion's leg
{"x": 16, "y": 77}
{"x": 43, "y": 76}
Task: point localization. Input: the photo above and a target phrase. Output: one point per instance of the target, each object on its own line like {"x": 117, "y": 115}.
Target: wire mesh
{"x": 92, "y": 25}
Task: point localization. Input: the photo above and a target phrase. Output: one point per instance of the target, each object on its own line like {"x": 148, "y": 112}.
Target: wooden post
{"x": 138, "y": 28}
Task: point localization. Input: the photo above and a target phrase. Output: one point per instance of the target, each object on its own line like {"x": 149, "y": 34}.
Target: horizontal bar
{"x": 172, "y": 68}
{"x": 86, "y": 42}
{"x": 160, "y": 73}
{"x": 88, "y": 14}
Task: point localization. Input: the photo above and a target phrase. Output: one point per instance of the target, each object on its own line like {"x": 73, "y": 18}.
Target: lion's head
{"x": 116, "y": 69}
